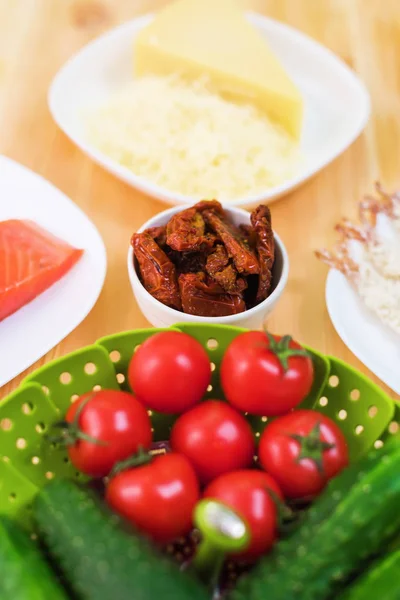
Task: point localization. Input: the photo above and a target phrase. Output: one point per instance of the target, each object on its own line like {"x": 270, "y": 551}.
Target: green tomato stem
{"x": 70, "y": 432}
{"x": 312, "y": 447}
{"x": 281, "y": 349}
{"x": 138, "y": 460}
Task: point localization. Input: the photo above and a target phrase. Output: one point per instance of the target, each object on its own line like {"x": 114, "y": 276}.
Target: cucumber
{"x": 101, "y": 560}
{"x": 335, "y": 491}
{"x": 24, "y": 573}
{"x": 381, "y": 580}
{"x": 351, "y": 521}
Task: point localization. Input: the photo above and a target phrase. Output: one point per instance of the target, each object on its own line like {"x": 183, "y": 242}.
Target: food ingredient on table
{"x": 336, "y": 491}
{"x": 221, "y": 118}
{"x": 157, "y": 495}
{"x": 261, "y": 230}
{"x": 302, "y": 451}
{"x": 25, "y": 575}
{"x": 266, "y": 375}
{"x": 216, "y": 39}
{"x": 380, "y": 580}
{"x": 314, "y": 548}
{"x": 102, "y": 428}
{"x": 364, "y": 516}
{"x": 189, "y": 140}
{"x": 170, "y": 372}
{"x": 99, "y": 559}
{"x": 201, "y": 263}
{"x": 254, "y": 496}
{"x": 369, "y": 255}
{"x": 215, "y": 438}
{"x": 158, "y": 272}
{"x": 31, "y": 261}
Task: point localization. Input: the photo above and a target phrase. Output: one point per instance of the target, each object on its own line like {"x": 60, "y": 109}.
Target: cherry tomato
{"x": 265, "y": 375}
{"x": 105, "y": 427}
{"x": 302, "y": 451}
{"x": 158, "y": 498}
{"x": 215, "y": 438}
{"x": 170, "y": 372}
{"x": 246, "y": 492}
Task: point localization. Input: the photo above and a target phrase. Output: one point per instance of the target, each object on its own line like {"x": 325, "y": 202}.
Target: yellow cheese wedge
{"x": 213, "y": 38}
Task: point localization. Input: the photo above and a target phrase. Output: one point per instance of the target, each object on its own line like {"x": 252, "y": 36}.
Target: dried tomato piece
{"x": 157, "y": 272}
{"x": 249, "y": 235}
{"x": 188, "y": 262}
{"x": 245, "y": 259}
{"x": 209, "y": 205}
{"x": 207, "y": 298}
{"x": 261, "y": 221}
{"x": 209, "y": 240}
{"x": 159, "y": 234}
{"x": 217, "y": 260}
{"x": 228, "y": 279}
{"x": 185, "y": 231}
{"x": 225, "y": 274}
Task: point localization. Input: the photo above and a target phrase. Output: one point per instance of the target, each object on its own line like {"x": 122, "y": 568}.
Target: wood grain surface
{"x": 38, "y": 36}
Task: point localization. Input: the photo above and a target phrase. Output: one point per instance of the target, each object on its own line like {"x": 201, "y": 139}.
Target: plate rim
{"x": 91, "y": 302}
{"x": 173, "y": 198}
{"x": 358, "y": 353}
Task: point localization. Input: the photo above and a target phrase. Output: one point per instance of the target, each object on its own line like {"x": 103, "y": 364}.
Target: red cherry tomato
{"x": 170, "y": 372}
{"x": 246, "y": 492}
{"x": 265, "y": 375}
{"x": 302, "y": 451}
{"x": 158, "y": 498}
{"x": 215, "y": 438}
{"x": 116, "y": 422}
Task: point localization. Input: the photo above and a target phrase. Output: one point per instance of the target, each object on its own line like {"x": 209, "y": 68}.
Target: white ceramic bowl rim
{"x": 195, "y": 318}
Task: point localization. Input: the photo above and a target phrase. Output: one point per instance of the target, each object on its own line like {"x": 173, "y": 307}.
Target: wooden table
{"x": 38, "y": 36}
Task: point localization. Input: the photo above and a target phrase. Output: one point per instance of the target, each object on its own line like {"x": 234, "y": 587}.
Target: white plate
{"x": 337, "y": 105}
{"x": 363, "y": 333}
{"x": 40, "y": 325}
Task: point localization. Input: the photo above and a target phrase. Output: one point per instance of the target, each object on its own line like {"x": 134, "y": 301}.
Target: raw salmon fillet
{"x": 31, "y": 260}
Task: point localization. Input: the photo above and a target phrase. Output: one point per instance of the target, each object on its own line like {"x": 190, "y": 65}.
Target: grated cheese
{"x": 384, "y": 246}
{"x": 380, "y": 293}
{"x": 190, "y": 140}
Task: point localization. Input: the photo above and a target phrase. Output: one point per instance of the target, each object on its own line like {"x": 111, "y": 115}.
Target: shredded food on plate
{"x": 190, "y": 140}
{"x": 369, "y": 255}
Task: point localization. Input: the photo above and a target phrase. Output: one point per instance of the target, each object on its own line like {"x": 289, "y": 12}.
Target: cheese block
{"x": 213, "y": 38}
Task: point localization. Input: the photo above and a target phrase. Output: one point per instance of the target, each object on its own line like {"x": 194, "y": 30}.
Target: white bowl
{"x": 160, "y": 315}
{"x": 337, "y": 104}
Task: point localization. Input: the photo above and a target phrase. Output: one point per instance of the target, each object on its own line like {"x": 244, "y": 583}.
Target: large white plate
{"x": 39, "y": 326}
{"x": 376, "y": 345}
{"x": 337, "y": 105}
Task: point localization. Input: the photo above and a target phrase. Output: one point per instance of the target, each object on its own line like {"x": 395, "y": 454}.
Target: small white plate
{"x": 376, "y": 345}
{"x": 40, "y": 325}
{"x": 337, "y": 105}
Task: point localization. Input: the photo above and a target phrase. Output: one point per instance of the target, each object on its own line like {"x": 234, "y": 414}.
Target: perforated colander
{"x": 28, "y": 460}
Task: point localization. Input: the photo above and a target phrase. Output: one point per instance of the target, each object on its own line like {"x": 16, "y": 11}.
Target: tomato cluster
{"x": 212, "y": 450}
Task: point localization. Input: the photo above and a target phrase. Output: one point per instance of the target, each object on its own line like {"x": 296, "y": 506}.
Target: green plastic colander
{"x": 28, "y": 460}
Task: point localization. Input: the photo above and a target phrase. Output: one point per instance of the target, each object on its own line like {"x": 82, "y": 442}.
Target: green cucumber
{"x": 101, "y": 560}
{"x": 336, "y": 490}
{"x": 24, "y": 573}
{"x": 381, "y": 580}
{"x": 352, "y": 520}
{"x": 339, "y": 487}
